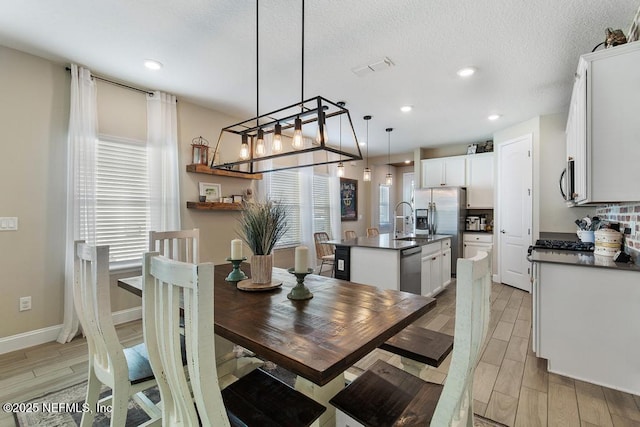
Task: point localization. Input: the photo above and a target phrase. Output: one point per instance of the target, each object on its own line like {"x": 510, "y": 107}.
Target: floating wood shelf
{"x": 198, "y": 168}
{"x": 214, "y": 206}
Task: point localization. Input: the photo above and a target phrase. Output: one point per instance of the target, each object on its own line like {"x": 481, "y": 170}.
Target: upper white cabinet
{"x": 449, "y": 171}
{"x": 480, "y": 181}
{"x": 603, "y": 129}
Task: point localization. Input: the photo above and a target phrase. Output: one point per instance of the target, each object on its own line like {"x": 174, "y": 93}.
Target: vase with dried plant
{"x": 262, "y": 225}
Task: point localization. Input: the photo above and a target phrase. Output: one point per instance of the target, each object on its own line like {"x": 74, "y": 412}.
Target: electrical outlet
{"x": 25, "y": 303}
{"x": 340, "y": 265}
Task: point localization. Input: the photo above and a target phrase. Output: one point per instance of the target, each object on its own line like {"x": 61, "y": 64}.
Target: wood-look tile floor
{"x": 511, "y": 386}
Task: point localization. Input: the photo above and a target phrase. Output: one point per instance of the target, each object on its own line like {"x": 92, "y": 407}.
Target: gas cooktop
{"x": 564, "y": 245}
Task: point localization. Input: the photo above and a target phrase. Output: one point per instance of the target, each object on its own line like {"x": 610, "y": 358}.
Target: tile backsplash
{"x": 628, "y": 215}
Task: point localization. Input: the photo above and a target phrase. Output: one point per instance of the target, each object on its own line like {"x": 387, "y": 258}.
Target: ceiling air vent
{"x": 380, "y": 65}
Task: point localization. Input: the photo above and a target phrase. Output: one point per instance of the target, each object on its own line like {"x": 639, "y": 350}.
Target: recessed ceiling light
{"x": 406, "y": 108}
{"x": 494, "y": 117}
{"x": 152, "y": 65}
{"x": 466, "y": 72}
{"x": 407, "y": 161}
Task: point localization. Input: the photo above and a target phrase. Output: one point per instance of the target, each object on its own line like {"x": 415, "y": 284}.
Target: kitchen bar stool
{"x": 350, "y": 234}
{"x": 372, "y": 232}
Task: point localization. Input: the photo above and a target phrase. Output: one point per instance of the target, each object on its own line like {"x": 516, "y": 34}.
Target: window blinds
{"x": 122, "y": 193}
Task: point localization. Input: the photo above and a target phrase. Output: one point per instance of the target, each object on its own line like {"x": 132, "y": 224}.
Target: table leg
{"x": 322, "y": 394}
{"x": 229, "y": 366}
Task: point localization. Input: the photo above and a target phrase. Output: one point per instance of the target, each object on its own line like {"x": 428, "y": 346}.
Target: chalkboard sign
{"x": 348, "y": 199}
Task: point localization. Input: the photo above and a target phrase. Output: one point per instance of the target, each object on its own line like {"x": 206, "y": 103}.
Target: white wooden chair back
{"x": 93, "y": 304}
{"x": 163, "y": 279}
{"x": 180, "y": 245}
{"x": 108, "y": 359}
{"x": 473, "y": 289}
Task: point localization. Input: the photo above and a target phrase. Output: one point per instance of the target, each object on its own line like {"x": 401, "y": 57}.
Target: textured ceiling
{"x": 525, "y": 52}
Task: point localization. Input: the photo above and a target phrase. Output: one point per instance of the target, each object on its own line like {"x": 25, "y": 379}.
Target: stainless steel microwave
{"x": 567, "y": 181}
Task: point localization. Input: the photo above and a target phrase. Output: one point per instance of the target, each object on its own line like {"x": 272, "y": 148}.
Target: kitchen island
{"x": 411, "y": 263}
{"x": 586, "y": 317}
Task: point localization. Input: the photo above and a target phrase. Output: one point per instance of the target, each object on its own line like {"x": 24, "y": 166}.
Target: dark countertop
{"x": 578, "y": 258}
{"x": 385, "y": 241}
{"x": 585, "y": 259}
{"x": 570, "y": 237}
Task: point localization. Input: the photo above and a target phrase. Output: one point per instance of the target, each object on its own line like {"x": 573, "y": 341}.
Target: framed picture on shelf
{"x": 348, "y": 199}
{"x": 237, "y": 198}
{"x": 212, "y": 192}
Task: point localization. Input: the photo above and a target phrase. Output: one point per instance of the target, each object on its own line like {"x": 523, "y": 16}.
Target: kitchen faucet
{"x": 396, "y": 217}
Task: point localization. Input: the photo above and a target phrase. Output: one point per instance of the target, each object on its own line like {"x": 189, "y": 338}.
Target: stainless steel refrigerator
{"x": 446, "y": 212}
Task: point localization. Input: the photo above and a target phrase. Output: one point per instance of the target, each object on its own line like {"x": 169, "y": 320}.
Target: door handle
{"x": 502, "y": 231}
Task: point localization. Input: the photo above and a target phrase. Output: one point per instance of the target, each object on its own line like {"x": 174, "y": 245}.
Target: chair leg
{"x": 93, "y": 392}
{"x": 321, "y": 265}
{"x": 120, "y": 401}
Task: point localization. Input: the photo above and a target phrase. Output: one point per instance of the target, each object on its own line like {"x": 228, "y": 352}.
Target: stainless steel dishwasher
{"x": 410, "y": 270}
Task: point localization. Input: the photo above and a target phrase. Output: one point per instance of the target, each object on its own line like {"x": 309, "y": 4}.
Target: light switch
{"x": 9, "y": 223}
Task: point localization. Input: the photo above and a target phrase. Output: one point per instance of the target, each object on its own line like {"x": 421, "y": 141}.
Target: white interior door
{"x": 515, "y": 171}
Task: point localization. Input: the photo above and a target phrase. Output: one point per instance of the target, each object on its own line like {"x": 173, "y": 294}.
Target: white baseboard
{"x": 128, "y": 315}
{"x": 48, "y": 334}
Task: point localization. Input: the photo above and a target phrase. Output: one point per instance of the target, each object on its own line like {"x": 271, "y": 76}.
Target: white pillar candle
{"x": 236, "y": 249}
{"x": 302, "y": 259}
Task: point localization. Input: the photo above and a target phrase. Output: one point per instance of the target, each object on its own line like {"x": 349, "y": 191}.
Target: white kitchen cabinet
{"x": 603, "y": 131}
{"x": 474, "y": 242}
{"x": 585, "y": 323}
{"x": 446, "y": 267}
{"x": 444, "y": 171}
{"x": 436, "y": 267}
{"x": 479, "y": 183}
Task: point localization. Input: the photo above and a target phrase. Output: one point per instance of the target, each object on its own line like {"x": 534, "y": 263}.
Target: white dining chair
{"x": 385, "y": 395}
{"x": 180, "y": 245}
{"x": 125, "y": 370}
{"x": 256, "y": 399}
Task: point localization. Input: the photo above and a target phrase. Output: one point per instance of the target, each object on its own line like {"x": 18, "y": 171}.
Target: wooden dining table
{"x": 317, "y": 339}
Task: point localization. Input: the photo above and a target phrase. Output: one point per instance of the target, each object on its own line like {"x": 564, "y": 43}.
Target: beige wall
{"x": 555, "y": 216}
{"x": 33, "y": 129}
{"x": 550, "y": 214}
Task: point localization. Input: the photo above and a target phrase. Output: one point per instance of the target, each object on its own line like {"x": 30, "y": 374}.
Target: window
{"x": 384, "y": 205}
{"x": 122, "y": 199}
{"x": 321, "y": 204}
{"x": 285, "y": 188}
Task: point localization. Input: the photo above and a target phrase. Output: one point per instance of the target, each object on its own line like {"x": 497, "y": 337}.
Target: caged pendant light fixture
{"x": 389, "y": 178}
{"x": 306, "y": 127}
{"x": 366, "y": 175}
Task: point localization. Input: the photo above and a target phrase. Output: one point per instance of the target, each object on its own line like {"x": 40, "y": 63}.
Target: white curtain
{"x": 81, "y": 197}
{"x": 334, "y": 201}
{"x": 306, "y": 205}
{"x": 162, "y": 145}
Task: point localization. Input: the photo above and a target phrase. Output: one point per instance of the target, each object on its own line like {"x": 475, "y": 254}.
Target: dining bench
{"x": 417, "y": 344}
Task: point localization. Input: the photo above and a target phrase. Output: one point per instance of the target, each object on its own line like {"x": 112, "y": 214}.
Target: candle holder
{"x": 236, "y": 274}
{"x": 300, "y": 291}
